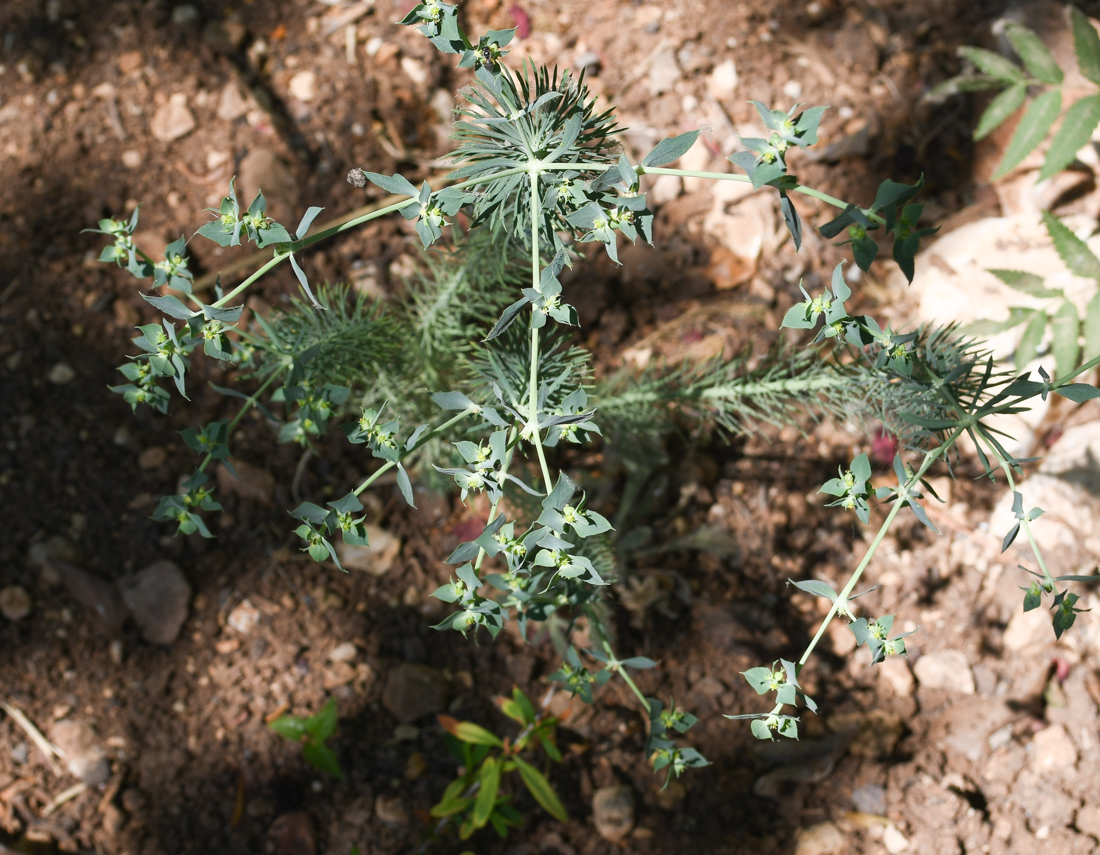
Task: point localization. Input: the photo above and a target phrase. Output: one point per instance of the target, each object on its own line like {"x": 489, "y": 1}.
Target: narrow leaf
{"x": 1065, "y": 326}
{"x": 1076, "y": 130}
{"x": 307, "y": 220}
{"x": 1032, "y": 129}
{"x": 1026, "y": 283}
{"x": 1034, "y": 54}
{"x": 790, "y": 217}
{"x": 304, "y": 282}
{"x": 170, "y": 306}
{"x": 1086, "y": 44}
{"x": 487, "y": 795}
{"x": 475, "y": 734}
{"x": 1000, "y": 108}
{"x": 1091, "y": 329}
{"x": 542, "y": 791}
{"x": 1078, "y": 392}
{"x": 405, "y": 486}
{"x": 1073, "y": 251}
{"x": 992, "y": 64}
{"x": 670, "y": 149}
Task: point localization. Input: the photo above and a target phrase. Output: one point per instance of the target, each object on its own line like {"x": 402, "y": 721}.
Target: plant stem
{"x": 533, "y": 386}
{"x": 615, "y": 665}
{"x": 390, "y": 464}
{"x": 902, "y": 494}
{"x": 501, "y": 477}
{"x": 245, "y": 407}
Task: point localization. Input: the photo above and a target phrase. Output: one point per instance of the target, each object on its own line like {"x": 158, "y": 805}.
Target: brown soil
{"x": 194, "y": 769}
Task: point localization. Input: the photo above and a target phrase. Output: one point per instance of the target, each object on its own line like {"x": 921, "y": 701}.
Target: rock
{"x": 152, "y": 457}
{"x": 84, "y": 755}
{"x": 20, "y": 753}
{"x": 664, "y": 72}
{"x": 745, "y": 231}
{"x": 390, "y": 810}
{"x": 345, "y": 652}
{"x": 945, "y": 669}
{"x": 131, "y": 158}
{"x": 414, "y": 691}
{"x": 185, "y": 16}
{"x": 232, "y": 104}
{"x": 727, "y": 269}
{"x": 722, "y": 82}
{"x": 302, "y": 85}
{"x": 589, "y": 62}
{"x": 15, "y": 602}
{"x": 870, "y": 798}
{"x": 244, "y": 617}
{"x": 1088, "y": 820}
{"x": 966, "y": 726}
{"x": 224, "y": 36}
{"x": 894, "y": 671}
{"x": 255, "y": 483}
{"x": 376, "y": 557}
{"x": 61, "y": 373}
{"x": 1027, "y": 630}
{"x": 336, "y": 675}
{"x": 53, "y": 547}
{"x": 854, "y": 47}
{"x": 172, "y": 120}
{"x": 293, "y": 834}
{"x": 415, "y": 70}
{"x": 894, "y": 841}
{"x": 613, "y": 812}
{"x": 158, "y": 598}
{"x": 665, "y": 188}
{"x": 96, "y": 594}
{"x": 263, "y": 169}
{"x": 1055, "y": 753}
{"x": 129, "y": 61}
{"x": 821, "y": 839}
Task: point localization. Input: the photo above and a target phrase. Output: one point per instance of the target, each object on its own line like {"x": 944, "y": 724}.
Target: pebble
{"x": 302, "y": 85}
{"x": 945, "y": 669}
{"x": 293, "y": 834}
{"x": 244, "y": 617}
{"x": 96, "y": 594}
{"x": 1054, "y": 751}
{"x": 152, "y": 457}
{"x": 19, "y": 753}
{"x": 663, "y": 73}
{"x": 613, "y": 812}
{"x": 61, "y": 373}
{"x": 131, "y": 158}
{"x": 84, "y": 755}
{"x": 232, "y": 104}
{"x": 894, "y": 670}
{"x": 224, "y": 36}
{"x": 255, "y": 483}
{"x": 588, "y": 62}
{"x": 390, "y": 810}
{"x": 821, "y": 839}
{"x": 894, "y": 841}
{"x": 414, "y": 691}
{"x": 376, "y": 558}
{"x": 173, "y": 119}
{"x": 1088, "y": 820}
{"x": 345, "y": 652}
{"x": 415, "y": 70}
{"x": 722, "y": 82}
{"x": 15, "y": 602}
{"x": 263, "y": 169}
{"x": 158, "y": 599}
{"x": 185, "y": 16}
{"x": 870, "y": 798}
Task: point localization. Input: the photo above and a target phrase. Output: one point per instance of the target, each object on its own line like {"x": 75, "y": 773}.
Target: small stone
{"x": 254, "y": 484}
{"x": 185, "y": 16}
{"x": 227, "y": 646}
{"x": 345, "y": 652}
{"x": 945, "y": 669}
{"x": 129, "y": 61}
{"x": 613, "y": 812}
{"x": 870, "y": 798}
{"x": 894, "y": 670}
{"x": 414, "y": 691}
{"x": 376, "y": 557}
{"x": 894, "y": 841}
{"x": 131, "y": 158}
{"x": 416, "y": 71}
{"x": 723, "y": 80}
{"x": 19, "y": 753}
{"x": 96, "y": 594}
{"x": 1027, "y": 630}
{"x": 293, "y": 834}
{"x": 224, "y": 36}
{"x": 588, "y": 62}
{"x": 338, "y": 674}
{"x": 664, "y": 73}
{"x": 821, "y": 839}
{"x": 302, "y": 85}
{"x": 152, "y": 457}
{"x": 15, "y": 602}
{"x": 61, "y": 373}
{"x": 232, "y": 104}
{"x": 792, "y": 89}
{"x": 1054, "y": 751}
{"x": 172, "y": 120}
{"x": 244, "y": 617}
{"x": 1088, "y": 820}
{"x": 84, "y": 755}
{"x": 665, "y": 189}
{"x": 263, "y": 169}
{"x": 390, "y": 810}
{"x": 158, "y": 599}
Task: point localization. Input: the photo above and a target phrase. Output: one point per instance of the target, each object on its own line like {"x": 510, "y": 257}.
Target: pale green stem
{"x": 501, "y": 477}
{"x": 245, "y": 407}
{"x": 390, "y": 464}
{"x": 615, "y": 664}
{"x": 533, "y": 386}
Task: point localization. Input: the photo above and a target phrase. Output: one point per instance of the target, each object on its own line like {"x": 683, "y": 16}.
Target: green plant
{"x": 313, "y": 733}
{"x": 538, "y": 175}
{"x": 475, "y": 799}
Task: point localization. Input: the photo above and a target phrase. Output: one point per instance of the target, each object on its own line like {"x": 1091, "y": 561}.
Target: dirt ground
{"x": 103, "y": 105}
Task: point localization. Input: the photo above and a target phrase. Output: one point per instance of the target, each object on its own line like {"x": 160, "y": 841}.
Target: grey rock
{"x": 172, "y": 120}
{"x": 97, "y": 595}
{"x": 263, "y": 169}
{"x": 185, "y": 16}
{"x": 414, "y": 691}
{"x": 15, "y": 602}
{"x": 84, "y": 755}
{"x": 157, "y": 598}
{"x": 945, "y": 669}
{"x": 870, "y": 798}
{"x": 613, "y": 812}
{"x": 224, "y": 36}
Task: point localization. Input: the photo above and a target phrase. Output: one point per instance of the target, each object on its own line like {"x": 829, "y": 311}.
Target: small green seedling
{"x": 313, "y": 733}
